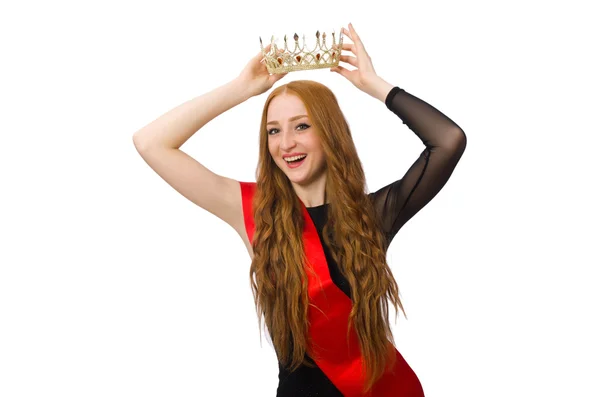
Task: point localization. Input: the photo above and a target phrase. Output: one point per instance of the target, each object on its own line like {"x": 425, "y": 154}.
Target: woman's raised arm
{"x": 158, "y": 143}
{"x": 444, "y": 143}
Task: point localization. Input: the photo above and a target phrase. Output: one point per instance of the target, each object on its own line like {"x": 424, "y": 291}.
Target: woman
{"x": 317, "y": 240}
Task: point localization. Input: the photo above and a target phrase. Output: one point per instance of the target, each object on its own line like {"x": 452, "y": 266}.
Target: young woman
{"x": 317, "y": 239}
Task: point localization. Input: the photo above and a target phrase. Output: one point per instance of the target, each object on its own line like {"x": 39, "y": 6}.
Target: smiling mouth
{"x": 301, "y": 157}
{"x": 296, "y": 163}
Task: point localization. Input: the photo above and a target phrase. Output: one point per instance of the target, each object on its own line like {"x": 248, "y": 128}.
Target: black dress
{"x": 395, "y": 204}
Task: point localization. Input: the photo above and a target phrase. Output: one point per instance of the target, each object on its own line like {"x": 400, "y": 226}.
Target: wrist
{"x": 379, "y": 88}
{"x": 242, "y": 87}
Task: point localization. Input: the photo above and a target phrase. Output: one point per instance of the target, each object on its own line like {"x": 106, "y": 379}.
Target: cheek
{"x": 317, "y": 151}
{"x": 321, "y": 159}
{"x": 272, "y": 149}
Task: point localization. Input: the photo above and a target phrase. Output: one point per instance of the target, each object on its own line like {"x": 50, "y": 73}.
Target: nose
{"x": 288, "y": 141}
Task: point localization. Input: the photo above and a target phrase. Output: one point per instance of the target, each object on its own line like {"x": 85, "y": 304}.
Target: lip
{"x": 292, "y": 155}
{"x": 295, "y": 165}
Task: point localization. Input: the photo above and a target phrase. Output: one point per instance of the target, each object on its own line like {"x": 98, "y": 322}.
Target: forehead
{"x": 285, "y": 106}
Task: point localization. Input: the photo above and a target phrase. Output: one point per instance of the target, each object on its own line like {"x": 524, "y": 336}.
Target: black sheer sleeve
{"x": 444, "y": 143}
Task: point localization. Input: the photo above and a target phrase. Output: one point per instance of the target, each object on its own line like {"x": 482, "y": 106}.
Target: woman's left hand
{"x": 364, "y": 77}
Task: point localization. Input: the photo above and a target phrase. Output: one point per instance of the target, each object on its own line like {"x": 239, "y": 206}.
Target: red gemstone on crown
{"x": 298, "y": 58}
{"x": 318, "y": 56}
{"x": 280, "y": 61}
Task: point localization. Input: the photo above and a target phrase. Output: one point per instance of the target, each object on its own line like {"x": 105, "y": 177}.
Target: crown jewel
{"x": 300, "y": 58}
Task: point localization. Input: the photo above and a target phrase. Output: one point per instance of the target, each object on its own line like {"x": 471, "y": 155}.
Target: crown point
{"x": 296, "y": 36}
{"x": 285, "y": 38}
{"x": 317, "y": 34}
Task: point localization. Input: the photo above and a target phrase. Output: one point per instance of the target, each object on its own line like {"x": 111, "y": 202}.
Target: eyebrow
{"x": 290, "y": 119}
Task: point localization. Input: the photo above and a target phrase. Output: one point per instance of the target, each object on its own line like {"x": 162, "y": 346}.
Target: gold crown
{"x": 301, "y": 58}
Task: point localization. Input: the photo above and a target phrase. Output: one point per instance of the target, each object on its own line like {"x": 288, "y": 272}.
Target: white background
{"x": 113, "y": 284}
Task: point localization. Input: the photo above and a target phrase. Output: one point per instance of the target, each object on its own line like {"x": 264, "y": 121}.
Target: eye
{"x": 301, "y": 124}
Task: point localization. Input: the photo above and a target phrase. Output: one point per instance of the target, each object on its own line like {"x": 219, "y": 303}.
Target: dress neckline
{"x": 317, "y": 206}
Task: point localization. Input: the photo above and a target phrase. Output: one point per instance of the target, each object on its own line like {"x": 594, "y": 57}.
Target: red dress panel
{"x": 338, "y": 357}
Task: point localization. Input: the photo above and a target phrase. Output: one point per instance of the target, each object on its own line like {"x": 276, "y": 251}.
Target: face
{"x": 290, "y": 131}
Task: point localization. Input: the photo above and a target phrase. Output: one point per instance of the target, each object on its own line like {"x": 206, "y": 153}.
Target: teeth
{"x": 288, "y": 159}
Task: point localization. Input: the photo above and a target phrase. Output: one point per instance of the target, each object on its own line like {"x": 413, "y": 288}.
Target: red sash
{"x": 338, "y": 357}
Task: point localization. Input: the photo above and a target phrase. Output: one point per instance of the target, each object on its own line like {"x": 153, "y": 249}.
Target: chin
{"x": 296, "y": 177}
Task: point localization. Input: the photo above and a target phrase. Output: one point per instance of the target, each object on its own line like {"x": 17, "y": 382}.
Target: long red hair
{"x": 352, "y": 233}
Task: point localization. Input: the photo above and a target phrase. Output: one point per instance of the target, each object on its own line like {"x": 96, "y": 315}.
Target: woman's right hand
{"x": 256, "y": 77}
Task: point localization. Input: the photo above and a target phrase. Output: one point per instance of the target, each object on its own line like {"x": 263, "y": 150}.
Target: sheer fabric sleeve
{"x": 444, "y": 143}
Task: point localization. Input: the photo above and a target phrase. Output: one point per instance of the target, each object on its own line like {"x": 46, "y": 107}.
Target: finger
{"x": 349, "y": 59}
{"x": 267, "y": 48}
{"x": 351, "y": 33}
{"x": 276, "y": 77}
{"x": 260, "y": 53}
{"x": 349, "y": 47}
{"x": 347, "y": 33}
{"x": 355, "y": 38}
{"x": 353, "y": 49}
{"x": 341, "y": 70}
{"x": 266, "y": 51}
